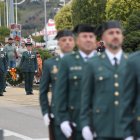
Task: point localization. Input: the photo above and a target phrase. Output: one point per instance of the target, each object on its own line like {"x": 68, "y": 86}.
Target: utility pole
{"x": 16, "y": 4}
{"x": 4, "y": 23}
{"x": 16, "y": 10}
{"x": 0, "y": 17}
{"x": 45, "y": 13}
{"x": 11, "y": 12}
{"x": 7, "y": 13}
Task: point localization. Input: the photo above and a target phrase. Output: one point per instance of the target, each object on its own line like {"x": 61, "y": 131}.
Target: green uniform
{"x": 28, "y": 66}
{"x": 101, "y": 93}
{"x": 48, "y": 79}
{"x": 68, "y": 90}
{"x": 3, "y": 70}
{"x": 131, "y": 98}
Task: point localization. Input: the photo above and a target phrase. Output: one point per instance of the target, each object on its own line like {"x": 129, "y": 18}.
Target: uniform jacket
{"x": 102, "y": 88}
{"x": 28, "y": 62}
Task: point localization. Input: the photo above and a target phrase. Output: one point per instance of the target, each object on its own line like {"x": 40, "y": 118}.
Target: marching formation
{"x": 94, "y": 95}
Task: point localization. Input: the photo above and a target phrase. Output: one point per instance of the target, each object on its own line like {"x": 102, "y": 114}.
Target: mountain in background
{"x": 31, "y": 14}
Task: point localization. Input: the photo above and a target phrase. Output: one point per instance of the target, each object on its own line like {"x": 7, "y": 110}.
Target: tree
{"x": 88, "y": 11}
{"x": 121, "y": 9}
{"x": 38, "y": 38}
{"x": 2, "y": 13}
{"x": 63, "y": 18}
{"x": 45, "y": 54}
{"x": 132, "y": 32}
{"x": 4, "y": 32}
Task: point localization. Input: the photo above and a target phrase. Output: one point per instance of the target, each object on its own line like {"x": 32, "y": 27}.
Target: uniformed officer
{"x": 28, "y": 66}
{"x": 103, "y": 87}
{"x": 50, "y": 69}
{"x": 3, "y": 68}
{"x": 131, "y": 98}
{"x": 68, "y": 87}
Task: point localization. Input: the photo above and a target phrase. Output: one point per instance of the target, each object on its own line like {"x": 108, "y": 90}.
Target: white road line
{"x": 11, "y": 133}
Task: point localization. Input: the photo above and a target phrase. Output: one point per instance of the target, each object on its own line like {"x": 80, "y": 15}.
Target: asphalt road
{"x": 20, "y": 116}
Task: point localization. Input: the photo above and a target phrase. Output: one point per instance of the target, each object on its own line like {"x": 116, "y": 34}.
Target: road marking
{"x": 11, "y": 133}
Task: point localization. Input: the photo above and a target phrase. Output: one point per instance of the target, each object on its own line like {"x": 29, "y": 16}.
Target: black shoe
{"x": 1, "y": 94}
{"x": 27, "y": 93}
{"x": 31, "y": 93}
{"x": 4, "y": 90}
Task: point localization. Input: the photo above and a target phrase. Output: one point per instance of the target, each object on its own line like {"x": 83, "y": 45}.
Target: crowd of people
{"x": 12, "y": 56}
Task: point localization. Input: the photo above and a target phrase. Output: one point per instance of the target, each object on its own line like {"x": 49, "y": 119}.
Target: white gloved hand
{"x": 66, "y": 129}
{"x": 87, "y": 134}
{"x": 46, "y": 119}
{"x": 35, "y": 71}
{"x": 129, "y": 138}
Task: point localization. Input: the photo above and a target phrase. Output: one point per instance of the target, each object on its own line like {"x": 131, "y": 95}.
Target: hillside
{"x": 31, "y": 15}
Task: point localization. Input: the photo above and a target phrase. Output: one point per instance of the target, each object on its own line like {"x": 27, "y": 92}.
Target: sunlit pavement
{"x": 20, "y": 116}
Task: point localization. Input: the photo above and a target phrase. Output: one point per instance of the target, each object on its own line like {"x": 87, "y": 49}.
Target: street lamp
{"x": 45, "y": 14}
{"x": 16, "y": 6}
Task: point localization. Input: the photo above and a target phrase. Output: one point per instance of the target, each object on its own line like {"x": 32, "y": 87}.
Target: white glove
{"x": 66, "y": 129}
{"x": 87, "y": 134}
{"x": 129, "y": 138}
{"x": 46, "y": 119}
{"x": 35, "y": 71}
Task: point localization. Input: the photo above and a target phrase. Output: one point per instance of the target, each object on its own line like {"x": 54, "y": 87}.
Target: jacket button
{"x": 117, "y": 93}
{"x": 97, "y": 110}
{"x": 138, "y": 118}
{"x": 116, "y": 103}
{"x": 72, "y": 107}
{"x": 75, "y": 77}
{"x": 116, "y": 84}
{"x": 100, "y": 78}
{"x": 116, "y": 76}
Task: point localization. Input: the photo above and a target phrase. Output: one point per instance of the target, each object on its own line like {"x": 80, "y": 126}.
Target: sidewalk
{"x": 16, "y": 95}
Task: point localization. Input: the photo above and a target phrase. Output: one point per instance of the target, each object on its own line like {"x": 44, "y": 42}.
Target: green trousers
{"x": 2, "y": 78}
{"x": 29, "y": 77}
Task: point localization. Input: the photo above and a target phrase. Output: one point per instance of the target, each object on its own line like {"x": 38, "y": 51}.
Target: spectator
{"x": 10, "y": 49}
{"x": 39, "y": 72}
{"x": 20, "y": 52}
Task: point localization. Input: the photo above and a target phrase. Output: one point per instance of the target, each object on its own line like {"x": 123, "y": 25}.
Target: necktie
{"x": 116, "y": 62}
{"x": 86, "y": 58}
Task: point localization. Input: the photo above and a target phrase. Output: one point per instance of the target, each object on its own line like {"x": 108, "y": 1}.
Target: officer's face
{"x": 66, "y": 44}
{"x": 113, "y": 38}
{"x": 86, "y": 42}
{"x": 29, "y": 48}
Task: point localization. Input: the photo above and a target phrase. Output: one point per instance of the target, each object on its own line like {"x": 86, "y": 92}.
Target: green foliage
{"x": 88, "y": 11}
{"x": 38, "y": 38}
{"x": 63, "y": 18}
{"x": 132, "y": 33}
{"x": 44, "y": 54}
{"x": 132, "y": 40}
{"x": 133, "y": 22}
{"x": 4, "y": 32}
{"x": 2, "y": 13}
{"x": 121, "y": 9}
